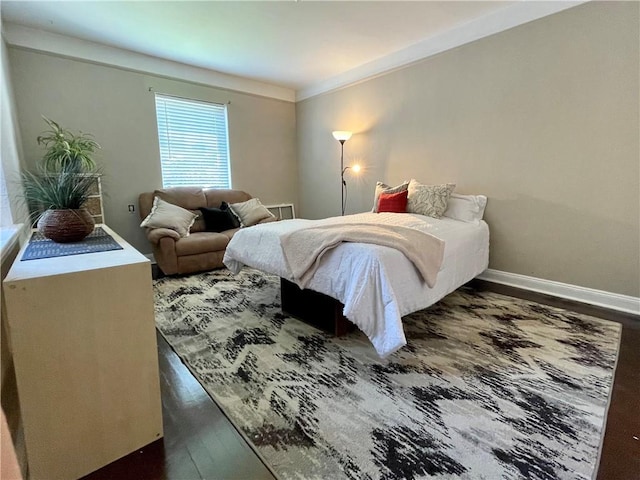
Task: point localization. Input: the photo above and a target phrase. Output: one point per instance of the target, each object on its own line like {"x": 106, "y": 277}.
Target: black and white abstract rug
{"x": 488, "y": 387}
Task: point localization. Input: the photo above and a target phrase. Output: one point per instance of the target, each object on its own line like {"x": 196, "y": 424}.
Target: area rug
{"x": 488, "y": 387}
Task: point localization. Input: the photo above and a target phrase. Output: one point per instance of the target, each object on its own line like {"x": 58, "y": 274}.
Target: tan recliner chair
{"x": 201, "y": 250}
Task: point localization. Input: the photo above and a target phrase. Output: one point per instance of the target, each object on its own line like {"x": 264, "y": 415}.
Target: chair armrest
{"x": 155, "y": 234}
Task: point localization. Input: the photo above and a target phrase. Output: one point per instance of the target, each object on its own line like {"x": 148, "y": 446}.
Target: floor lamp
{"x": 342, "y": 136}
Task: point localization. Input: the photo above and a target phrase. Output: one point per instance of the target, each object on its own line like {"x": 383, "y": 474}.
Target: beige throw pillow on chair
{"x": 250, "y": 212}
{"x": 167, "y": 215}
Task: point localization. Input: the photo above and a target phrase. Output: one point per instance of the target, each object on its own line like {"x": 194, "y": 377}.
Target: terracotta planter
{"x": 64, "y": 226}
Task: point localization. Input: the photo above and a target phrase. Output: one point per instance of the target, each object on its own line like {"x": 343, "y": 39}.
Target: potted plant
{"x": 62, "y": 195}
{"x": 65, "y": 149}
{"x": 62, "y": 184}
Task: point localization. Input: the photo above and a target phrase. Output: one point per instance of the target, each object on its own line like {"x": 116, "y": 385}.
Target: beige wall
{"x": 543, "y": 119}
{"x": 117, "y": 107}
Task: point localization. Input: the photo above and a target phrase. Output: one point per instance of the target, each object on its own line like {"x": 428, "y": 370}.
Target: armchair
{"x": 201, "y": 250}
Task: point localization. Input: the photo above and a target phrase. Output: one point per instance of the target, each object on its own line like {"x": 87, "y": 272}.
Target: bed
{"x": 377, "y": 284}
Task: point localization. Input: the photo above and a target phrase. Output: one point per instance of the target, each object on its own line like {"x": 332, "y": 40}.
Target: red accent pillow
{"x": 393, "y": 202}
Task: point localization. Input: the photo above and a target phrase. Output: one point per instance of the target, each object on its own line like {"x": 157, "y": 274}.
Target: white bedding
{"x": 377, "y": 285}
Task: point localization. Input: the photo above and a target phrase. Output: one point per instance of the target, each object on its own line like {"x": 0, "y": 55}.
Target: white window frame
{"x": 6, "y": 216}
{"x": 220, "y": 177}
{"x": 9, "y": 232}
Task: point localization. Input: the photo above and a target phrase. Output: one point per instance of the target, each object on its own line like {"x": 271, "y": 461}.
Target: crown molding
{"x": 511, "y": 16}
{"x": 508, "y": 17}
{"x": 75, "y": 48}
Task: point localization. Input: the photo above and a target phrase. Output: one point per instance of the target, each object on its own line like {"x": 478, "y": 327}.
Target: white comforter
{"x": 376, "y": 284}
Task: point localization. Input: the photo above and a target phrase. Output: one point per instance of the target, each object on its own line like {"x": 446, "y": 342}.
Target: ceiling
{"x": 292, "y": 44}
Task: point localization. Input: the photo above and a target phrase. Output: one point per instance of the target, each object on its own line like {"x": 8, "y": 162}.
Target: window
{"x": 8, "y": 231}
{"x": 194, "y": 146}
{"x": 6, "y": 218}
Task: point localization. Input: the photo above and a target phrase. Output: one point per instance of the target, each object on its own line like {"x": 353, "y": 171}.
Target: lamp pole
{"x": 342, "y": 136}
{"x": 342, "y": 169}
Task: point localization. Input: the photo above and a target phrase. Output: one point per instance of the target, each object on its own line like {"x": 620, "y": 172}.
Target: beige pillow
{"x": 384, "y": 188}
{"x": 430, "y": 200}
{"x": 250, "y": 212}
{"x": 167, "y": 215}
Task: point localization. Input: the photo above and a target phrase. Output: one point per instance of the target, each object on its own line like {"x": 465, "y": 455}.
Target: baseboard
{"x": 613, "y": 301}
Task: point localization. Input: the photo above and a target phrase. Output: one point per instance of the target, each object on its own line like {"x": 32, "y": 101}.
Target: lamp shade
{"x": 342, "y": 135}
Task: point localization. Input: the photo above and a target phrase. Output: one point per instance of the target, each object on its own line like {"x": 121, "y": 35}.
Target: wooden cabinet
{"x": 82, "y": 332}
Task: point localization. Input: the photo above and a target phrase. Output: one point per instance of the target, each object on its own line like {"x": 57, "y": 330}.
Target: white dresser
{"x": 82, "y": 332}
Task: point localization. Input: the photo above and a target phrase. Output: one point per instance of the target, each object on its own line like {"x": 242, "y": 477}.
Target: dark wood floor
{"x": 200, "y": 443}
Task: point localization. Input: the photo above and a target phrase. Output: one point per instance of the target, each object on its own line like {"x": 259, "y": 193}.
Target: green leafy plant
{"x": 64, "y": 189}
{"x": 67, "y": 150}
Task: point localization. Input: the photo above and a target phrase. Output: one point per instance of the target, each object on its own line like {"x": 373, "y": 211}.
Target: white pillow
{"x": 466, "y": 208}
{"x": 250, "y": 212}
{"x": 384, "y": 188}
{"x": 167, "y": 215}
{"x": 430, "y": 200}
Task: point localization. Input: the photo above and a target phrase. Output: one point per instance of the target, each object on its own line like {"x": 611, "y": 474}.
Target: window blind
{"x": 194, "y": 145}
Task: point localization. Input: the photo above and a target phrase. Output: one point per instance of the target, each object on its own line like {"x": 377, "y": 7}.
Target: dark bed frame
{"x": 314, "y": 308}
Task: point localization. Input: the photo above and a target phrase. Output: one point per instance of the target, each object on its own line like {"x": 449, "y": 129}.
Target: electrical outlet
{"x": 131, "y": 208}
